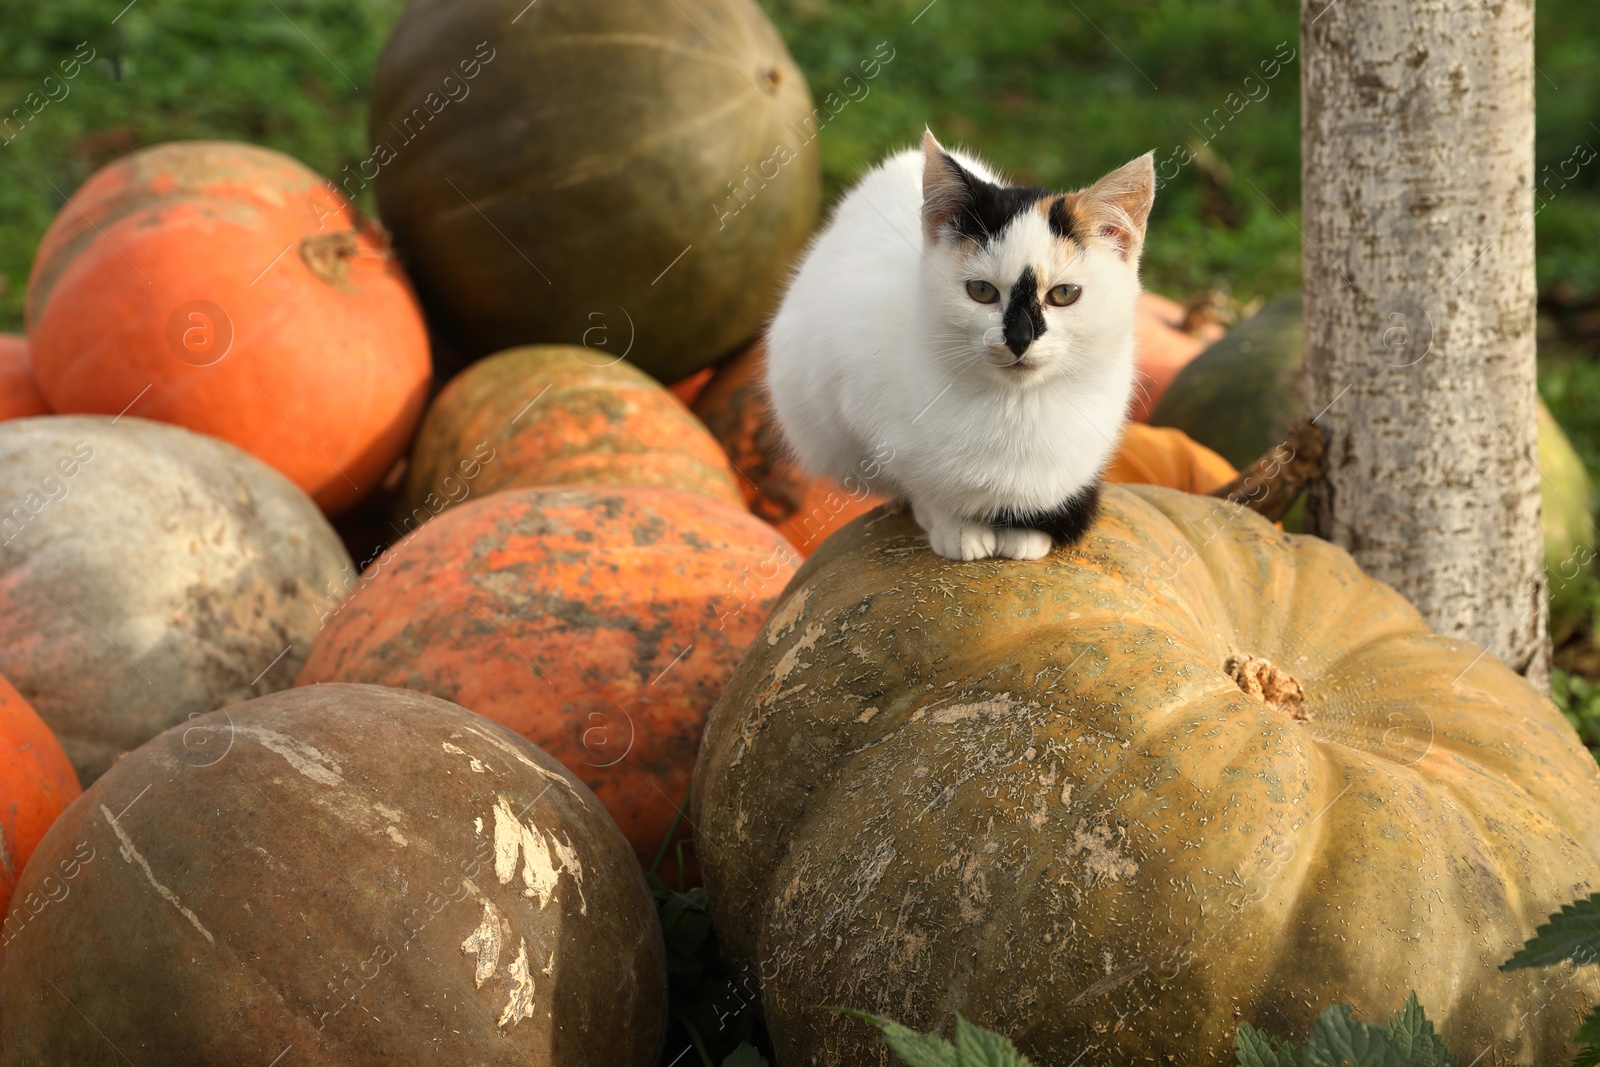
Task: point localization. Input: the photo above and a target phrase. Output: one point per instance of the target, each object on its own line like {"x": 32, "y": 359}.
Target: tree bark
{"x": 1417, "y": 184}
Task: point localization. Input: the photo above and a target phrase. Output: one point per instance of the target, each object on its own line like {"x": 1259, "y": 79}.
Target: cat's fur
{"x": 882, "y": 368}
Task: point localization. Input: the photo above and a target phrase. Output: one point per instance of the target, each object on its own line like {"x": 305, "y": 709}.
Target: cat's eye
{"x": 1061, "y": 295}
{"x": 982, "y": 291}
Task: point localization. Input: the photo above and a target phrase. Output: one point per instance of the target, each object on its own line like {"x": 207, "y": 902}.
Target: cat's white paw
{"x": 965, "y": 541}
{"x": 1022, "y": 544}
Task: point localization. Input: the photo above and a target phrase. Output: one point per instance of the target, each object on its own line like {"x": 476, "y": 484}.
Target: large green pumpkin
{"x": 630, "y": 175}
{"x": 1191, "y": 773}
{"x": 1240, "y": 395}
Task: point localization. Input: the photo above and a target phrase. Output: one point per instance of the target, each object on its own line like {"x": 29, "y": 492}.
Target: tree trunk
{"x": 1417, "y": 179}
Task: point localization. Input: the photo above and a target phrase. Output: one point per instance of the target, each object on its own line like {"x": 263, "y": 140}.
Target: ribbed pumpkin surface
{"x": 627, "y": 174}
{"x": 560, "y": 415}
{"x": 231, "y": 290}
{"x": 1039, "y": 794}
{"x": 600, "y": 623}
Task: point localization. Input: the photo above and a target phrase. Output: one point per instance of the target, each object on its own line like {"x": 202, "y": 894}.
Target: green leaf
{"x": 1412, "y": 1036}
{"x": 1573, "y": 933}
{"x": 1588, "y": 1057}
{"x": 745, "y": 1056}
{"x": 1589, "y": 1030}
{"x": 1338, "y": 1039}
{"x": 974, "y": 1047}
{"x": 977, "y": 1047}
{"x": 1257, "y": 1048}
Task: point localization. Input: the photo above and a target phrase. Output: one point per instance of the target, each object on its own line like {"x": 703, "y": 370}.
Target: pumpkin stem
{"x": 1272, "y": 484}
{"x": 329, "y": 255}
{"x": 1270, "y": 684}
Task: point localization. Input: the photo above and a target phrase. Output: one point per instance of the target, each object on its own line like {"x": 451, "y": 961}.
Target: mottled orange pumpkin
{"x": 1189, "y": 773}
{"x": 559, "y": 415}
{"x": 38, "y": 783}
{"x": 600, "y": 622}
{"x": 1157, "y": 455}
{"x": 230, "y": 290}
{"x": 19, "y": 391}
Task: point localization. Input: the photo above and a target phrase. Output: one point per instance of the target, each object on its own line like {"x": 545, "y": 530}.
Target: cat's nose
{"x": 1024, "y": 319}
{"x": 1019, "y": 333}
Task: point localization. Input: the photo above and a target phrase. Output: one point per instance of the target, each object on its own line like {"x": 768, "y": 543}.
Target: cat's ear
{"x": 946, "y": 188}
{"x": 1117, "y": 206}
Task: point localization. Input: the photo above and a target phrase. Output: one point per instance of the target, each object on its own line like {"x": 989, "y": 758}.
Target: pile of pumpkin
{"x": 1193, "y": 772}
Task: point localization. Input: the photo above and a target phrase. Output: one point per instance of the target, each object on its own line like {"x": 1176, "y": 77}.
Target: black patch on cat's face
{"x": 1066, "y": 523}
{"x": 1024, "y": 318}
{"x": 987, "y": 208}
{"x": 1061, "y": 219}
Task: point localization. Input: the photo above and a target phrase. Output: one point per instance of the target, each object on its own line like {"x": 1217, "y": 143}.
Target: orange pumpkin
{"x": 229, "y": 289}
{"x": 689, "y": 389}
{"x": 1161, "y": 349}
{"x": 19, "y": 391}
{"x": 558, "y": 415}
{"x": 600, "y": 622}
{"x": 1156, "y": 455}
{"x": 734, "y": 407}
{"x": 39, "y": 784}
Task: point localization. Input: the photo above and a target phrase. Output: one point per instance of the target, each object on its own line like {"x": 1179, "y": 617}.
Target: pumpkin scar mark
{"x": 517, "y": 843}
{"x": 476, "y": 611}
{"x": 1119, "y": 977}
{"x": 95, "y": 628}
{"x": 485, "y": 943}
{"x": 473, "y": 761}
{"x": 520, "y": 1006}
{"x": 501, "y": 232}
{"x": 301, "y": 756}
{"x": 787, "y": 615}
{"x": 303, "y": 436}
{"x": 131, "y": 855}
{"x": 550, "y": 776}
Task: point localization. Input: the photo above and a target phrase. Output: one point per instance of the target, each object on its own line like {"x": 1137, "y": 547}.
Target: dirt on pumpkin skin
{"x": 1190, "y": 773}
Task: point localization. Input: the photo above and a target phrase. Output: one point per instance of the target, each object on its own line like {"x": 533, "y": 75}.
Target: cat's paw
{"x": 1015, "y": 543}
{"x": 965, "y": 541}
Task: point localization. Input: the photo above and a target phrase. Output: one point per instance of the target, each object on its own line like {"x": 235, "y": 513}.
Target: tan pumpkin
{"x": 1191, "y": 773}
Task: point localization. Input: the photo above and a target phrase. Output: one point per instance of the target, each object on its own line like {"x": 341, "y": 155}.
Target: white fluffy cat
{"x": 967, "y": 346}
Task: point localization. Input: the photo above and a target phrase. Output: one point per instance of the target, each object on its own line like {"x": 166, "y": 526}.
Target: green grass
{"x": 1055, "y": 93}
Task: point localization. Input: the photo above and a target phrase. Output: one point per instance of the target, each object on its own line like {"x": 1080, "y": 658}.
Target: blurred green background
{"x": 1054, "y": 91}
